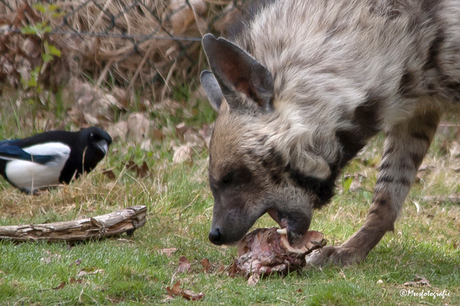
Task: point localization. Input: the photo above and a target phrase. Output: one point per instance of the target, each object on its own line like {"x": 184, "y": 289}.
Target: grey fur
{"x": 341, "y": 71}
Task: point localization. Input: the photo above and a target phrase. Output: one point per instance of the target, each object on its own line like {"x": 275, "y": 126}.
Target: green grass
{"x": 131, "y": 270}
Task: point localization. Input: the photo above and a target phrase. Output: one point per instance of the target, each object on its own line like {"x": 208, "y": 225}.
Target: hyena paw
{"x": 337, "y": 255}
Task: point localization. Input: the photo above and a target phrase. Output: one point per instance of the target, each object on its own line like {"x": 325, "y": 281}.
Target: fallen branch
{"x": 115, "y": 223}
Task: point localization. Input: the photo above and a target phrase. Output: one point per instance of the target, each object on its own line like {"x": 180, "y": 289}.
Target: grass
{"x": 132, "y": 270}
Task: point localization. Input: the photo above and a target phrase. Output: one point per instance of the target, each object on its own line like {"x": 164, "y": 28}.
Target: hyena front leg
{"x": 405, "y": 147}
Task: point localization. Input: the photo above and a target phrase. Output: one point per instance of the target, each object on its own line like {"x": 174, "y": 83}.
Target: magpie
{"x": 51, "y": 158}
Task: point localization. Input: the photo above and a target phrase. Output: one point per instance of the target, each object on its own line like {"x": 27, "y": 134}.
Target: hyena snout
{"x": 215, "y": 236}
{"x": 219, "y": 236}
{"x": 229, "y": 226}
{"x": 222, "y": 234}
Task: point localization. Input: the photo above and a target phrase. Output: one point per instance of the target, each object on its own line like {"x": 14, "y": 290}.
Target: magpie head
{"x": 98, "y": 139}
{"x": 97, "y": 142}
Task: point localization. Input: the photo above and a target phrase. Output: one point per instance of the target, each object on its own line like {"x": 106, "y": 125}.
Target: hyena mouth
{"x": 283, "y": 223}
{"x": 295, "y": 229}
{"x": 273, "y": 213}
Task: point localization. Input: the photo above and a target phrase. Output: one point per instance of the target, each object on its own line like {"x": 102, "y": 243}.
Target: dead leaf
{"x": 61, "y": 285}
{"x": 181, "y": 128}
{"x": 131, "y": 165}
{"x": 75, "y": 115}
{"x": 418, "y": 281}
{"x": 253, "y": 279}
{"x": 110, "y": 175}
{"x": 184, "y": 264}
{"x": 175, "y": 290}
{"x": 89, "y": 271}
{"x": 90, "y": 119}
{"x": 189, "y": 295}
{"x": 118, "y": 131}
{"x": 232, "y": 12}
{"x": 138, "y": 127}
{"x": 444, "y": 147}
{"x": 205, "y": 133}
{"x": 168, "y": 298}
{"x": 143, "y": 170}
{"x": 232, "y": 270}
{"x": 90, "y": 101}
{"x": 186, "y": 294}
{"x": 72, "y": 280}
{"x": 184, "y": 15}
{"x": 182, "y": 153}
{"x": 167, "y": 251}
{"x": 454, "y": 149}
{"x": 194, "y": 138}
{"x": 206, "y": 265}
{"x": 76, "y": 262}
{"x": 121, "y": 95}
{"x": 158, "y": 134}
{"x": 146, "y": 145}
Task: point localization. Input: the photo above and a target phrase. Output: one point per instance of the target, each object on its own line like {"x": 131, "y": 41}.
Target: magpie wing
{"x": 9, "y": 151}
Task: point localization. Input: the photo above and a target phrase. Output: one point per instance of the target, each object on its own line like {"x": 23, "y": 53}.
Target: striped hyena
{"x": 300, "y": 87}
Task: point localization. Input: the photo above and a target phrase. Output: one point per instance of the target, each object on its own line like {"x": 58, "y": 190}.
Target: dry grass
{"x": 123, "y": 44}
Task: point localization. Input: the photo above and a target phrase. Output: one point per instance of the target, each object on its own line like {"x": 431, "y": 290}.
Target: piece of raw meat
{"x": 264, "y": 251}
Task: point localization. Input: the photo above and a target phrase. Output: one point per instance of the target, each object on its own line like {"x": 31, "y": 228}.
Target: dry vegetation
{"x": 149, "y": 44}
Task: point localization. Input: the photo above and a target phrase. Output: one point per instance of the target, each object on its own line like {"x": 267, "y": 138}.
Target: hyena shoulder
{"x": 345, "y": 46}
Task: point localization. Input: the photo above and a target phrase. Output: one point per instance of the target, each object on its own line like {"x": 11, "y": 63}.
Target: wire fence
{"x": 139, "y": 43}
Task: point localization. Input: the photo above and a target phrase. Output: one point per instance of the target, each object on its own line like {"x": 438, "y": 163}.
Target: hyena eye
{"x": 239, "y": 176}
{"x": 227, "y": 178}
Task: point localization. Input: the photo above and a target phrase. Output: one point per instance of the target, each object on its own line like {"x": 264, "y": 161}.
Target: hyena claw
{"x": 337, "y": 255}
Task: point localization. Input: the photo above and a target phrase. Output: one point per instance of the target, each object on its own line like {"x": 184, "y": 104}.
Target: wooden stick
{"x": 115, "y": 223}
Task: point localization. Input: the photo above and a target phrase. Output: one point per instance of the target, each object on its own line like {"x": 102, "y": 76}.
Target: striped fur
{"x": 302, "y": 85}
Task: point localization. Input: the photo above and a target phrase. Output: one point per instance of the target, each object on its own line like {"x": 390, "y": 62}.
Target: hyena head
{"x": 250, "y": 173}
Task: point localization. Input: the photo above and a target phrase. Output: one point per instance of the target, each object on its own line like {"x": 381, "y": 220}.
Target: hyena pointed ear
{"x": 238, "y": 72}
{"x": 212, "y": 89}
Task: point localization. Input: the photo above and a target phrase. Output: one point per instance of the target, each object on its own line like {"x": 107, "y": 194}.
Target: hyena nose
{"x": 215, "y": 236}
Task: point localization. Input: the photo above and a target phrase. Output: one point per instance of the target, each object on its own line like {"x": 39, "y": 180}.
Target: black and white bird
{"x": 51, "y": 158}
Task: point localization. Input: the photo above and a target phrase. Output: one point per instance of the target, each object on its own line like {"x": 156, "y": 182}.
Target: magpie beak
{"x": 103, "y": 146}
{"x": 52, "y": 158}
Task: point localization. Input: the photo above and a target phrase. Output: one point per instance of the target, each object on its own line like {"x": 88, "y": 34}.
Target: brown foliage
{"x": 135, "y": 44}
